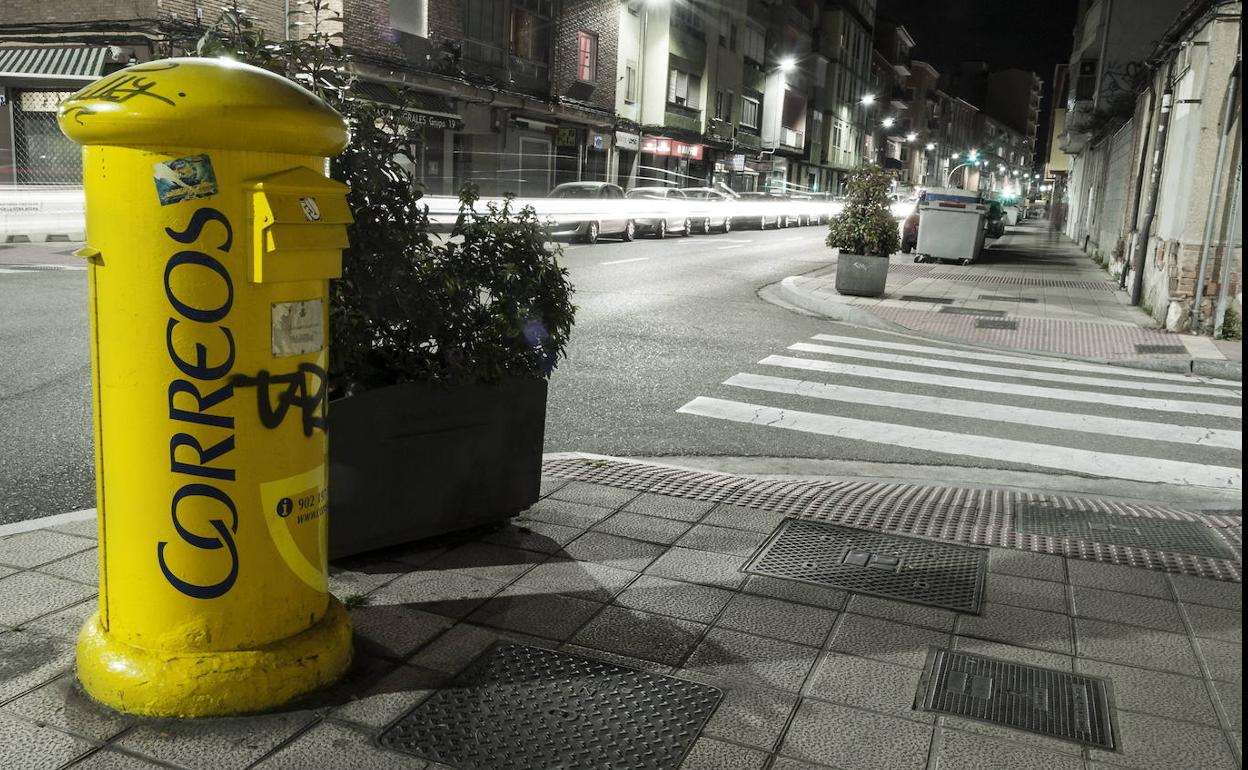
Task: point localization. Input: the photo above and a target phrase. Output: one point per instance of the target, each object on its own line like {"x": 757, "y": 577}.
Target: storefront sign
{"x": 660, "y": 145}
{"x": 566, "y": 137}
{"x": 598, "y": 141}
{"x": 738, "y": 162}
{"x": 627, "y": 141}
{"x": 434, "y": 120}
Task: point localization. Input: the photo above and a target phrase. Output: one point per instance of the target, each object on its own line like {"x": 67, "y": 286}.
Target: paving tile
{"x": 1214, "y": 593}
{"x": 1155, "y": 692}
{"x": 748, "y": 714}
{"x": 28, "y": 595}
{"x": 533, "y": 535}
{"x": 1231, "y": 696}
{"x": 464, "y": 643}
{"x": 1009, "y": 734}
{"x": 30, "y": 658}
{"x": 902, "y": 612}
{"x": 1027, "y": 655}
{"x": 739, "y": 517}
{"x": 599, "y": 495}
{"x": 87, "y": 528}
{"x": 640, "y": 635}
{"x": 62, "y": 704}
{"x": 414, "y": 555}
{"x": 1114, "y": 577}
{"x": 778, "y": 619}
{"x": 1216, "y": 623}
{"x": 213, "y": 744}
{"x": 563, "y": 513}
{"x": 886, "y": 640}
{"x": 1018, "y": 625}
{"x": 794, "y": 591}
{"x": 710, "y": 754}
{"x": 6, "y": 571}
{"x": 638, "y": 526}
{"x": 788, "y": 763}
{"x": 30, "y": 746}
{"x": 329, "y": 746}
{"x": 844, "y": 737}
{"x": 82, "y": 567}
{"x": 1134, "y": 646}
{"x": 348, "y": 583}
{"x": 1026, "y": 592}
{"x": 66, "y": 623}
{"x": 394, "y": 630}
{"x": 107, "y": 759}
{"x": 1128, "y": 608}
{"x": 384, "y": 700}
{"x": 581, "y": 579}
{"x": 1152, "y": 743}
{"x": 868, "y": 684}
{"x": 549, "y": 616}
{"x": 1008, "y": 561}
{"x": 485, "y": 560}
{"x": 715, "y": 569}
{"x": 670, "y": 507}
{"x": 550, "y": 485}
{"x": 753, "y": 659}
{"x": 689, "y": 601}
{"x": 737, "y": 542}
{"x": 613, "y": 551}
{"x": 619, "y": 660}
{"x": 445, "y": 593}
{"x": 1225, "y": 659}
{"x": 969, "y": 751}
{"x": 40, "y": 546}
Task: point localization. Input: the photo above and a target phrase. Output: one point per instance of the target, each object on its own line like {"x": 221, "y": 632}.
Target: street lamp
{"x": 910, "y": 137}
{"x": 930, "y": 146}
{"x": 868, "y": 100}
{"x": 888, "y": 122}
{"x": 787, "y": 64}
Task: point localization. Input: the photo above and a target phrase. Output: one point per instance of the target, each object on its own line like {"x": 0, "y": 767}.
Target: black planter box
{"x": 412, "y": 461}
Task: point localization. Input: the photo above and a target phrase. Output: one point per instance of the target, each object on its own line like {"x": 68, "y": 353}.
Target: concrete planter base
{"x": 861, "y": 275}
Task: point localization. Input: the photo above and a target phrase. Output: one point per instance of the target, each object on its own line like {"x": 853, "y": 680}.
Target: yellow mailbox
{"x": 212, "y": 234}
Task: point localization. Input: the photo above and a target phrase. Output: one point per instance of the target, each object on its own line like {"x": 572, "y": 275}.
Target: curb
{"x": 836, "y": 311}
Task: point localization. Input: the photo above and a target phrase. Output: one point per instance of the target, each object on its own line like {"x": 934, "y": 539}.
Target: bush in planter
{"x": 865, "y": 233}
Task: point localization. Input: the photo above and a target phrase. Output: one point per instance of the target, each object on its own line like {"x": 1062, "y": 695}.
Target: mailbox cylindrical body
{"x": 212, "y": 234}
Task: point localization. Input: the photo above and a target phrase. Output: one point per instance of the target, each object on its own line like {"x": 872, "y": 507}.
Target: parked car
{"x": 768, "y": 213}
{"x": 607, "y": 219}
{"x": 711, "y": 215}
{"x": 659, "y": 227}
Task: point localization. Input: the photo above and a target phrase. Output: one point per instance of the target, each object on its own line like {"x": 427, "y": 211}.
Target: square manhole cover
{"x": 1058, "y": 704}
{"x": 917, "y": 298}
{"x": 995, "y": 323}
{"x": 973, "y": 311}
{"x": 1177, "y": 350}
{"x": 1190, "y": 537}
{"x": 863, "y": 561}
{"x": 520, "y": 707}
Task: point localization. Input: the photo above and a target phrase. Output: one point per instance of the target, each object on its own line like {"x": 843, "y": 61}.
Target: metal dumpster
{"x": 951, "y": 226}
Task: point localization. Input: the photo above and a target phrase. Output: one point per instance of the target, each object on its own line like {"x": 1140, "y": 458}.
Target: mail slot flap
{"x": 300, "y": 195}
{"x": 299, "y": 226}
{"x": 304, "y": 237}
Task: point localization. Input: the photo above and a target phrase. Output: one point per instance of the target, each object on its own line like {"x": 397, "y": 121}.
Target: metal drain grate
{"x": 973, "y": 311}
{"x": 1006, "y": 298}
{"x": 1177, "y": 350}
{"x": 521, "y": 707}
{"x": 1058, "y": 704}
{"x": 1190, "y": 537}
{"x": 995, "y": 323}
{"x": 917, "y": 298}
{"x": 863, "y": 561}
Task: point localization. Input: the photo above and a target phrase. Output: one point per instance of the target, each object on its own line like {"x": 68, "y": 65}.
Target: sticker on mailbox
{"x": 298, "y": 328}
{"x": 311, "y": 211}
{"x": 295, "y": 514}
{"x": 183, "y": 179}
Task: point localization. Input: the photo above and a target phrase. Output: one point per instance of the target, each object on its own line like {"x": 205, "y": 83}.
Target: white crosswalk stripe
{"x": 1077, "y": 417}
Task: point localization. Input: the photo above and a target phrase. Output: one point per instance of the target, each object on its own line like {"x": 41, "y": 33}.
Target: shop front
{"x": 667, "y": 162}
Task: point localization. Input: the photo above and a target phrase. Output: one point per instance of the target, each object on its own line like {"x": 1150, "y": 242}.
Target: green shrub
{"x": 866, "y": 225}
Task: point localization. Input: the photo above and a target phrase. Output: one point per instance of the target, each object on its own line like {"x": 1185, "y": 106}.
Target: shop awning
{"x": 51, "y": 66}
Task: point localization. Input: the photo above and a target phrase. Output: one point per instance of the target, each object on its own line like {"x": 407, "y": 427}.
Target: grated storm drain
{"x": 995, "y": 323}
{"x": 520, "y": 707}
{"x": 973, "y": 311}
{"x": 863, "y": 561}
{"x": 1190, "y": 537}
{"x": 1007, "y": 298}
{"x": 917, "y": 298}
{"x": 1058, "y": 704}
{"x": 1177, "y": 350}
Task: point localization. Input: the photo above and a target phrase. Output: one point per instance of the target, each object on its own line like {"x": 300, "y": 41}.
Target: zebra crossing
{"x": 903, "y": 397}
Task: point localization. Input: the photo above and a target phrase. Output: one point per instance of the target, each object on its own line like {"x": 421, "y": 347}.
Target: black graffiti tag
{"x": 309, "y": 399}
{"x": 117, "y": 90}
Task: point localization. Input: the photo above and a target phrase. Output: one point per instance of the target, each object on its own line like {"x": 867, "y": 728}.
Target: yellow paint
{"x": 207, "y": 606}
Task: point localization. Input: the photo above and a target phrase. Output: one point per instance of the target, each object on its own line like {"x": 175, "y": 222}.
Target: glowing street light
{"x": 930, "y": 146}
{"x": 787, "y": 64}
{"x": 888, "y": 122}
{"x": 868, "y": 99}
{"x": 910, "y": 137}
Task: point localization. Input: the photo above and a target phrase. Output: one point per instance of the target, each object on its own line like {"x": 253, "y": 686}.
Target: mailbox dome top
{"x": 202, "y": 103}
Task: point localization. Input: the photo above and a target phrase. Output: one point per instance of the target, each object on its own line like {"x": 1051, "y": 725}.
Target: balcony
{"x": 900, "y": 98}
{"x": 792, "y": 139}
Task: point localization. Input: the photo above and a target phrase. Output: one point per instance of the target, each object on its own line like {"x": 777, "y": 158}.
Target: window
{"x": 630, "y": 82}
{"x": 410, "y": 16}
{"x": 753, "y": 44}
{"x": 689, "y": 15}
{"x": 586, "y": 56}
{"x": 836, "y": 135}
{"x": 683, "y": 88}
{"x": 749, "y": 112}
{"x": 530, "y": 35}
{"x": 723, "y": 105}
{"x": 483, "y": 21}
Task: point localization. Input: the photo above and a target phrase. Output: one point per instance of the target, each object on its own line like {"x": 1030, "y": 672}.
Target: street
{"x": 674, "y": 355}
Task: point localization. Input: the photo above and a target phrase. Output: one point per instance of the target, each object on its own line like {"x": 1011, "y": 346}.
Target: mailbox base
{"x": 171, "y": 683}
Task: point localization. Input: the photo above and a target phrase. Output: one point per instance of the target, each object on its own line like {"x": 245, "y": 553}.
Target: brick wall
{"x": 600, "y": 17}
{"x": 65, "y": 11}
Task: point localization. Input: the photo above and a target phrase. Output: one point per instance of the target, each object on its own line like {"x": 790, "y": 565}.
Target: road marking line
{"x": 1042, "y": 418}
{"x": 43, "y": 522}
{"x": 622, "y": 261}
{"x": 734, "y": 246}
{"x": 1008, "y": 388}
{"x": 1063, "y": 365}
{"x": 1024, "y": 374}
{"x": 1080, "y": 461}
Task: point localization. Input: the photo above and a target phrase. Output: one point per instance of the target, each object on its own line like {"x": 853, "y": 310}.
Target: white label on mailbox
{"x": 310, "y": 210}
{"x": 298, "y": 328}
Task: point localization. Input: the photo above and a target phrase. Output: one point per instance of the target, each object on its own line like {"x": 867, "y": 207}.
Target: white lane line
{"x": 1000, "y": 371}
{"x": 30, "y": 525}
{"x": 1041, "y": 418}
{"x": 734, "y": 246}
{"x": 623, "y": 261}
{"x": 1065, "y": 366}
{"x": 1009, "y": 388}
{"x": 1062, "y": 458}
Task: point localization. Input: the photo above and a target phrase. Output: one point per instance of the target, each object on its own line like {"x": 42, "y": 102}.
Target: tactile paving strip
{"x": 1058, "y": 704}
{"x": 519, "y": 708}
{"x": 905, "y": 568}
{"x": 975, "y": 515}
{"x": 1016, "y": 280}
{"x": 1177, "y": 536}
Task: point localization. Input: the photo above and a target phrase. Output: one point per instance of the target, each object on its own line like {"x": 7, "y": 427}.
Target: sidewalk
{"x": 637, "y": 573}
{"x": 1032, "y": 290}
